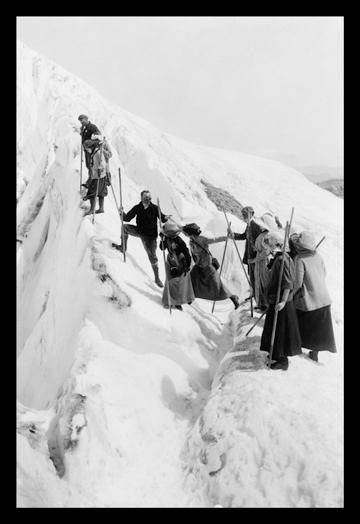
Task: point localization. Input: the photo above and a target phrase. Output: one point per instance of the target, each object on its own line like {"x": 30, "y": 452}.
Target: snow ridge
{"x": 119, "y": 404}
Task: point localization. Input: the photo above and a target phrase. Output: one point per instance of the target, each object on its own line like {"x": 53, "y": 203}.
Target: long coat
{"x": 205, "y": 278}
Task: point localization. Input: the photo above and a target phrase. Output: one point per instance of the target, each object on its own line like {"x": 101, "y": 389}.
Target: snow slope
{"x": 134, "y": 407}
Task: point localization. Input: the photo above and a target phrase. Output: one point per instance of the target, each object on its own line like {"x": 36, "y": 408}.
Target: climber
{"x": 205, "y": 278}
{"x": 99, "y": 154}
{"x": 287, "y": 340}
{"x": 311, "y": 297}
{"x": 86, "y": 131}
{"x": 146, "y": 214}
{"x": 252, "y": 231}
{"x": 177, "y": 268}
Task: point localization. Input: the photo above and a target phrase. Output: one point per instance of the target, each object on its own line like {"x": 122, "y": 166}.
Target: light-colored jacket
{"x": 101, "y": 162}
{"x": 310, "y": 283}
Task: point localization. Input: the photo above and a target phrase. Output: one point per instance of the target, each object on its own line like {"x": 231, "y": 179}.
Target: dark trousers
{"x": 149, "y": 243}
{"x": 251, "y": 273}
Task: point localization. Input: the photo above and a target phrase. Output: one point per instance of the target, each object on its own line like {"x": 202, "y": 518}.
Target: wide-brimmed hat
{"x": 191, "y": 229}
{"x": 305, "y": 240}
{"x": 171, "y": 230}
{"x": 269, "y": 221}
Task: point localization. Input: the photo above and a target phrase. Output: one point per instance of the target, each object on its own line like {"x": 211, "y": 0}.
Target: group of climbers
{"x": 303, "y": 312}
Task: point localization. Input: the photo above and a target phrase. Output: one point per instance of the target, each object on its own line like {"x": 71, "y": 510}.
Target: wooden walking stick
{"x": 237, "y": 250}
{"x": 248, "y": 258}
{"x": 255, "y": 323}
{"x": 97, "y": 191}
{"x": 222, "y": 263}
{"x": 81, "y": 160}
{"x": 287, "y": 232}
{"x": 121, "y": 217}
{"x": 318, "y": 244}
{"x": 163, "y": 250}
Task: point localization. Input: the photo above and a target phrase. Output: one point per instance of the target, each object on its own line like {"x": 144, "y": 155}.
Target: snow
{"x": 119, "y": 403}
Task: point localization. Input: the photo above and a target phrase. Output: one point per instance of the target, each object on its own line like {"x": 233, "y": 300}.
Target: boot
{"x": 314, "y": 356}
{"x": 156, "y": 274}
{"x": 281, "y": 364}
{"x": 119, "y": 247}
{"x": 92, "y": 207}
{"x": 101, "y": 205}
{"x": 235, "y": 300}
{"x": 179, "y": 308}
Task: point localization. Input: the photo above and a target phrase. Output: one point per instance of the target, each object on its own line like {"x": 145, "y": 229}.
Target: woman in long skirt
{"x": 177, "y": 268}
{"x": 205, "y": 278}
{"x": 287, "y": 342}
{"x": 261, "y": 271}
{"x": 312, "y": 299}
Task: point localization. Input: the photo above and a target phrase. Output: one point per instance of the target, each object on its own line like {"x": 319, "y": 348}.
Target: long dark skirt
{"x": 287, "y": 341}
{"x": 102, "y": 192}
{"x": 207, "y": 283}
{"x": 180, "y": 288}
{"x": 316, "y": 329}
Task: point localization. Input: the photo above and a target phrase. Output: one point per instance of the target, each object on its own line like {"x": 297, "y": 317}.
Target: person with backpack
{"x": 177, "y": 268}
{"x": 146, "y": 229}
{"x": 287, "y": 340}
{"x": 205, "y": 277}
{"x": 312, "y": 300}
{"x": 252, "y": 231}
{"x": 86, "y": 131}
{"x": 99, "y": 155}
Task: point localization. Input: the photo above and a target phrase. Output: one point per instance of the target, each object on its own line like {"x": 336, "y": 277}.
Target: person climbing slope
{"x": 86, "y": 131}
{"x": 146, "y": 229}
{"x": 205, "y": 278}
{"x": 287, "y": 340}
{"x": 252, "y": 231}
{"x": 177, "y": 268}
{"x": 99, "y": 154}
{"x": 311, "y": 297}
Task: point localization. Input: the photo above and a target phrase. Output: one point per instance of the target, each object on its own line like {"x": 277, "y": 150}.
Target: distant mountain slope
{"x": 321, "y": 173}
{"x": 335, "y": 186}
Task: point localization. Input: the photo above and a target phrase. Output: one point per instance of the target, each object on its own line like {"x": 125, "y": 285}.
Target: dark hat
{"x": 248, "y": 209}
{"x": 191, "y": 229}
{"x": 82, "y": 116}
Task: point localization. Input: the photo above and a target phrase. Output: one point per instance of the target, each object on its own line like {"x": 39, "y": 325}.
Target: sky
{"x": 270, "y": 86}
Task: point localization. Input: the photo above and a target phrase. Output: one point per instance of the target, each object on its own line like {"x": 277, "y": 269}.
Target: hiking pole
{"x": 81, "y": 160}
{"x": 255, "y": 323}
{"x": 287, "y": 231}
{"x": 222, "y": 263}
{"x": 237, "y": 250}
{"x": 163, "y": 250}
{"x": 121, "y": 217}
{"x": 248, "y": 258}
{"x": 97, "y": 190}
{"x": 318, "y": 244}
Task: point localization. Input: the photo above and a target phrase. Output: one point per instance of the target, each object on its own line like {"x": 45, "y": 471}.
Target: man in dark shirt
{"x": 250, "y": 234}
{"x": 86, "y": 131}
{"x": 146, "y": 214}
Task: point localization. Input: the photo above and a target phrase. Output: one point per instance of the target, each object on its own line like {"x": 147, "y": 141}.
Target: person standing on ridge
{"x": 86, "y": 131}
{"x": 311, "y": 297}
{"x": 252, "y": 231}
{"x": 287, "y": 342}
{"x": 177, "y": 268}
{"x": 146, "y": 229}
{"x": 99, "y": 154}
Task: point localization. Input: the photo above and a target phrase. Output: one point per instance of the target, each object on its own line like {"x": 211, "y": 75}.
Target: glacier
{"x": 119, "y": 403}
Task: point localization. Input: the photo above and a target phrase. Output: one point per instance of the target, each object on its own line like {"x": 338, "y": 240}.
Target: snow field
{"x": 121, "y": 394}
